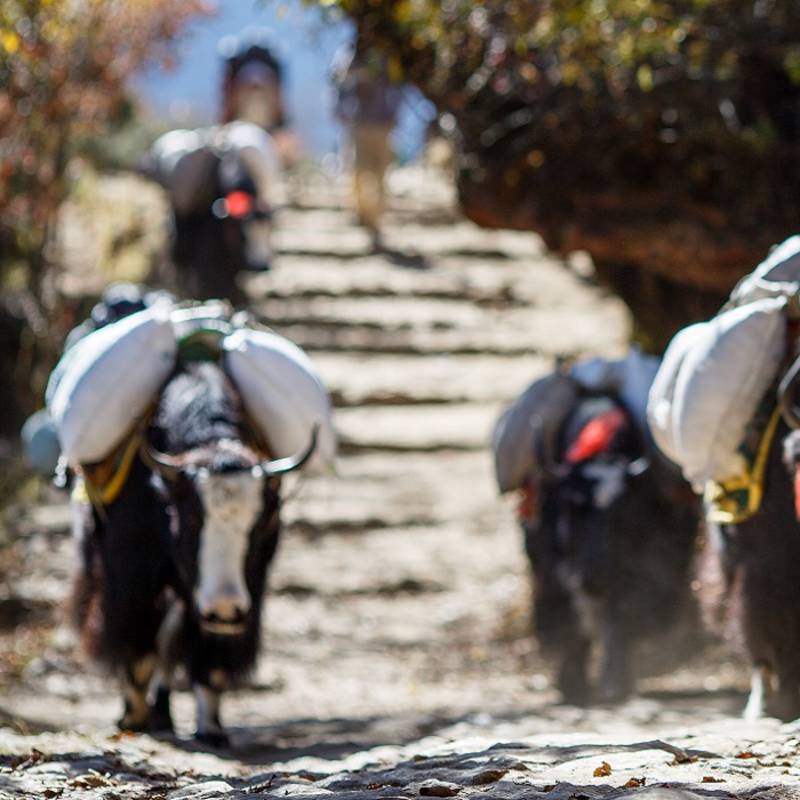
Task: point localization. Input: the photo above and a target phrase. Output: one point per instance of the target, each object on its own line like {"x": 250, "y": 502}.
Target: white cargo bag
{"x": 537, "y": 413}
{"x": 629, "y": 378}
{"x": 723, "y": 378}
{"x": 662, "y": 392}
{"x": 257, "y": 151}
{"x": 183, "y": 161}
{"x": 283, "y": 394}
{"x": 778, "y": 275}
{"x": 106, "y": 381}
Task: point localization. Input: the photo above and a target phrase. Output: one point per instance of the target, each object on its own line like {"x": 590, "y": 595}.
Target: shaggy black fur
{"x": 140, "y": 555}
{"x": 606, "y": 578}
{"x": 750, "y": 582}
{"x": 209, "y": 252}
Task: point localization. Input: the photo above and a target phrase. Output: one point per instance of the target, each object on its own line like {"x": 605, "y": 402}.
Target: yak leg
{"x": 135, "y": 684}
{"x": 167, "y": 644}
{"x": 573, "y": 678}
{"x": 759, "y": 686}
{"x": 209, "y": 727}
{"x": 616, "y": 674}
{"x": 160, "y": 720}
{"x": 784, "y": 701}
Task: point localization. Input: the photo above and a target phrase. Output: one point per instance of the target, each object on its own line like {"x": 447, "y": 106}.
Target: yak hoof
{"x": 160, "y": 716}
{"x": 131, "y": 725}
{"x": 214, "y": 738}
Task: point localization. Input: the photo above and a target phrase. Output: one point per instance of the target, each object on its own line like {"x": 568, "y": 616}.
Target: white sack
{"x": 720, "y": 384}
{"x": 283, "y": 394}
{"x": 182, "y": 161}
{"x": 629, "y": 378}
{"x": 777, "y": 275}
{"x": 538, "y": 412}
{"x": 662, "y": 392}
{"x": 105, "y": 382}
{"x": 257, "y": 151}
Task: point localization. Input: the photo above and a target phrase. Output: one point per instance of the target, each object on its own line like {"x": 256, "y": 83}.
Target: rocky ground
{"x": 397, "y": 660}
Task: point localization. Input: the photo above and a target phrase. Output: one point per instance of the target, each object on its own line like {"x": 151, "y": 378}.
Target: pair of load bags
{"x": 704, "y": 397}
{"x": 107, "y": 381}
{"x": 529, "y": 429}
{"x": 716, "y": 374}
{"x": 182, "y": 161}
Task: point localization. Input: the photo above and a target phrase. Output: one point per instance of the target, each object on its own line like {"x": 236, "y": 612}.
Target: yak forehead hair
{"x": 229, "y": 492}
{"x": 198, "y": 406}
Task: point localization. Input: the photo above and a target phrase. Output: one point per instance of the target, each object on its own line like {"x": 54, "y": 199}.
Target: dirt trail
{"x": 397, "y": 660}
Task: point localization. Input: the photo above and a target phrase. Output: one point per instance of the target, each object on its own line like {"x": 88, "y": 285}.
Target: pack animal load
{"x": 182, "y": 161}
{"x": 525, "y": 437}
{"x": 105, "y": 384}
{"x": 710, "y": 398}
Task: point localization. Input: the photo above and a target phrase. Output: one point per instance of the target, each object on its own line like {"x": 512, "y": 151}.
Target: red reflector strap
{"x": 238, "y": 204}
{"x": 528, "y": 498}
{"x": 797, "y": 493}
{"x": 596, "y": 436}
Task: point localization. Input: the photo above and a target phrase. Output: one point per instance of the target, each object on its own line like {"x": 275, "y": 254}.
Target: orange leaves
{"x": 603, "y": 771}
{"x": 64, "y": 68}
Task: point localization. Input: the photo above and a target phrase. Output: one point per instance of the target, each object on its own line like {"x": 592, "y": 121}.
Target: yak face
{"x": 219, "y": 515}
{"x": 232, "y": 505}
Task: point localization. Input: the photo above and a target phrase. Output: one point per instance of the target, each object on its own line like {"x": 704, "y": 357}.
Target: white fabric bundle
{"x": 182, "y": 161}
{"x": 282, "y": 393}
{"x": 712, "y": 379}
{"x": 778, "y": 275}
{"x": 662, "y": 392}
{"x": 630, "y": 378}
{"x": 537, "y": 413}
{"x": 105, "y": 382}
{"x": 258, "y": 153}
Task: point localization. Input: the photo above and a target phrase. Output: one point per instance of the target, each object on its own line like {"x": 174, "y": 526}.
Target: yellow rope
{"x": 723, "y": 507}
{"x": 107, "y": 494}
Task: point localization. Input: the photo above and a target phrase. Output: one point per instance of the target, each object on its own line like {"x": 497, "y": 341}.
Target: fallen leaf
{"x": 712, "y": 779}
{"x": 745, "y": 754}
{"x": 603, "y": 771}
{"x": 89, "y": 781}
{"x": 634, "y": 783}
{"x": 120, "y": 735}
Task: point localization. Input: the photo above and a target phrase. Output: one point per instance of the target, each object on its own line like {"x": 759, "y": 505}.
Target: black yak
{"x": 751, "y": 572}
{"x": 174, "y": 567}
{"x": 609, "y": 530}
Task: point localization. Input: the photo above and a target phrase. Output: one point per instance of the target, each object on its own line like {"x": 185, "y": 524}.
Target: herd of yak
{"x": 174, "y": 564}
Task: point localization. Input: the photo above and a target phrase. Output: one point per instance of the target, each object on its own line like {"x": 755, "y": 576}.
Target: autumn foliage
{"x": 64, "y": 68}
{"x": 64, "y": 72}
{"x": 663, "y": 136}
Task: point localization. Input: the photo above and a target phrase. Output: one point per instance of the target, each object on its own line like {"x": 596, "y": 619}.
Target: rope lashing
{"x": 738, "y": 499}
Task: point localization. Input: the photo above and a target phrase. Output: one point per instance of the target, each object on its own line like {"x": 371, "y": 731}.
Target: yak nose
{"x": 228, "y": 606}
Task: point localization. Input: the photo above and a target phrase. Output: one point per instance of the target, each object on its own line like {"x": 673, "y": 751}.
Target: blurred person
{"x": 367, "y": 103}
{"x": 252, "y": 87}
